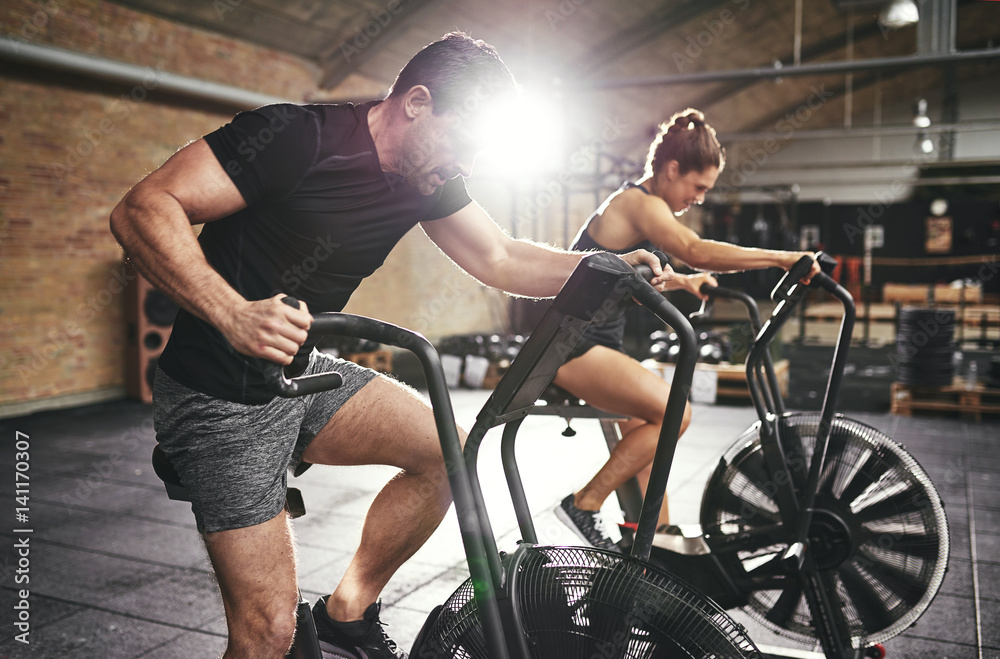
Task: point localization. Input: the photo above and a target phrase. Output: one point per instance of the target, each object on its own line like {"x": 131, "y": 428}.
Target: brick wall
{"x": 71, "y": 147}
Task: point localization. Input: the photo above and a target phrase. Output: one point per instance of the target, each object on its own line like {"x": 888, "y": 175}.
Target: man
{"x": 277, "y": 186}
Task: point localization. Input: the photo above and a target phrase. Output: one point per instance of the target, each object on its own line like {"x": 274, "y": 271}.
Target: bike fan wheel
{"x": 575, "y": 602}
{"x": 879, "y": 536}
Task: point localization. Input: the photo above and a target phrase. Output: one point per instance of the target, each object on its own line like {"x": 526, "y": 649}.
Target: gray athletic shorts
{"x": 233, "y": 459}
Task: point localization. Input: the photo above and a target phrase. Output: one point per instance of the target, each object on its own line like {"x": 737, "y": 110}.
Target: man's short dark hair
{"x": 461, "y": 73}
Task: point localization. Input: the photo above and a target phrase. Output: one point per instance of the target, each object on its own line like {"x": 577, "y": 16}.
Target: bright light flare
{"x": 521, "y": 138}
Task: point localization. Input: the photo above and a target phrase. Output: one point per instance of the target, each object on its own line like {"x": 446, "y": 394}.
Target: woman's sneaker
{"x": 587, "y": 524}
{"x": 360, "y": 639}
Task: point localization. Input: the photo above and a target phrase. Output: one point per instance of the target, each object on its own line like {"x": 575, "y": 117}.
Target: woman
{"x": 684, "y": 162}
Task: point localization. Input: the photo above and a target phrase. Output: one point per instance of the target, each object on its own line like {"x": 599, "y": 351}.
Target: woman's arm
{"x": 653, "y": 219}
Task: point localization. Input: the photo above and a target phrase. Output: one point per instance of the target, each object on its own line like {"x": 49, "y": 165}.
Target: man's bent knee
{"x": 263, "y": 632}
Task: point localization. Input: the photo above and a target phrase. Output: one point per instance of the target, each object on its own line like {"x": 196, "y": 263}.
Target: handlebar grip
{"x": 788, "y": 284}
{"x": 826, "y": 262}
{"x": 282, "y": 385}
{"x": 708, "y": 289}
{"x": 278, "y": 383}
{"x": 644, "y": 271}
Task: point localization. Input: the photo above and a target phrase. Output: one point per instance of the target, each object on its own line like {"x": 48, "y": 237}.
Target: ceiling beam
{"x": 627, "y": 41}
{"x": 865, "y": 131}
{"x": 819, "y": 68}
{"x": 825, "y": 47}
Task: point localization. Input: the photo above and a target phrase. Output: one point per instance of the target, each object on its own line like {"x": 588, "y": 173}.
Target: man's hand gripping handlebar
{"x": 282, "y": 385}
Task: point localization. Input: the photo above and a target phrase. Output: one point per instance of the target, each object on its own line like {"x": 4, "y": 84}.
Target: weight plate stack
{"x": 924, "y": 347}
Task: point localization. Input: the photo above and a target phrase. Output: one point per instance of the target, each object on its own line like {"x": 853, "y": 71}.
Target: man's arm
{"x": 153, "y": 224}
{"x": 520, "y": 267}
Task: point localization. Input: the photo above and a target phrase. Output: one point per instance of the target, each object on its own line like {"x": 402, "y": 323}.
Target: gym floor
{"x": 118, "y": 570}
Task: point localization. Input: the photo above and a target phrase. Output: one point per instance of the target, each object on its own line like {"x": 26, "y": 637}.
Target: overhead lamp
{"x": 920, "y": 118}
{"x": 899, "y": 13}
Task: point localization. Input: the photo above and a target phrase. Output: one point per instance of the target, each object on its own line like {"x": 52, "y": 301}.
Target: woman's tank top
{"x": 612, "y": 333}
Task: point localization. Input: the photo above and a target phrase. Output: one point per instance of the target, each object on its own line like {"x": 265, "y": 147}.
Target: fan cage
{"x": 878, "y": 488}
{"x": 579, "y": 602}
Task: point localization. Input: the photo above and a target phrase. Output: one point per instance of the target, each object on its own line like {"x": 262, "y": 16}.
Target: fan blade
{"x": 908, "y": 499}
{"x": 787, "y": 603}
{"x": 923, "y": 546}
{"x": 741, "y": 507}
{"x": 868, "y": 473}
{"x": 768, "y": 568}
{"x": 905, "y": 585}
{"x": 865, "y": 598}
{"x": 751, "y": 466}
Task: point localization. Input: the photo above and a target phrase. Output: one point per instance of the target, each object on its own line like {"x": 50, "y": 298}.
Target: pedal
{"x": 294, "y": 503}
{"x": 686, "y": 539}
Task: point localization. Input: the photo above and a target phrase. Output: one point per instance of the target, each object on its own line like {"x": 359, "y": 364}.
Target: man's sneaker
{"x": 587, "y": 524}
{"x": 360, "y": 639}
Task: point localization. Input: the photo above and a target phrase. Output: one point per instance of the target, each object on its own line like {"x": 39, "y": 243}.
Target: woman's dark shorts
{"x": 233, "y": 459}
{"x": 610, "y": 335}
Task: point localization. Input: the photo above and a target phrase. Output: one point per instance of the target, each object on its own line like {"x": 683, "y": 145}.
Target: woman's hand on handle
{"x": 793, "y": 258}
{"x": 693, "y": 283}
{"x": 269, "y": 329}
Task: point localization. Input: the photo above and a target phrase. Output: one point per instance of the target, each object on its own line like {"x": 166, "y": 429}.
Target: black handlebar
{"x": 789, "y": 286}
{"x": 282, "y": 385}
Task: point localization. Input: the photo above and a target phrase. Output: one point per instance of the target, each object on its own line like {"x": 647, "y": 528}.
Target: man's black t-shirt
{"x": 321, "y": 216}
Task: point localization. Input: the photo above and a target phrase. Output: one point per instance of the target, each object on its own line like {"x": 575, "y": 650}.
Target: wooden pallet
{"x": 731, "y": 379}
{"x": 377, "y": 360}
{"x": 976, "y": 401}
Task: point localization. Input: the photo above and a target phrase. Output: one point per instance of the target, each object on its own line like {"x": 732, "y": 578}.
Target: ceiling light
{"x": 899, "y": 13}
{"x": 920, "y": 118}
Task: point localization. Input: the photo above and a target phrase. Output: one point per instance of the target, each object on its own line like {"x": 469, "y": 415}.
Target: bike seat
{"x": 166, "y": 473}
{"x": 556, "y": 395}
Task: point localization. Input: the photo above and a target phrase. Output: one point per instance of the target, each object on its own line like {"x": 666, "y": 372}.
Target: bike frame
{"x": 795, "y": 491}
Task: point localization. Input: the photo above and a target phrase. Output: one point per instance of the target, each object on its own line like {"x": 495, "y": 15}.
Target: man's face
{"x": 436, "y": 148}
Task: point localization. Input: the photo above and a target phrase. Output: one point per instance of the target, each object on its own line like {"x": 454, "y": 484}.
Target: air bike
{"x": 820, "y": 527}
{"x": 558, "y": 602}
